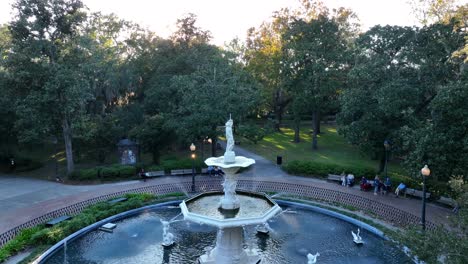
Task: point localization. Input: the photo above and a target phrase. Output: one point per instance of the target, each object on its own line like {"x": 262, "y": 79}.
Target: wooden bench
{"x": 58, "y": 220}
{"x": 333, "y": 177}
{"x": 447, "y": 201}
{"x": 152, "y": 174}
{"x": 181, "y": 172}
{"x": 117, "y": 200}
{"x": 416, "y": 193}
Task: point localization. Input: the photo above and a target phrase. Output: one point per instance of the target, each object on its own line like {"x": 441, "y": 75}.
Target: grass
{"x": 332, "y": 148}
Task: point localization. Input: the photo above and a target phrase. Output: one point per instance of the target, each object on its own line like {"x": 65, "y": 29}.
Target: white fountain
{"x": 357, "y": 238}
{"x": 312, "y": 259}
{"x": 168, "y": 237}
{"x": 229, "y": 210}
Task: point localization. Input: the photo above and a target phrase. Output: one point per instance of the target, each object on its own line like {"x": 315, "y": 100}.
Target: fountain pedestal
{"x": 230, "y": 200}
{"x": 229, "y": 249}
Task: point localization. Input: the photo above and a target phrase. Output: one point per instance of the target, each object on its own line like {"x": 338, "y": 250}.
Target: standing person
{"x": 376, "y": 184}
{"x": 12, "y": 164}
{"x": 387, "y": 185}
{"x": 343, "y": 179}
{"x": 142, "y": 174}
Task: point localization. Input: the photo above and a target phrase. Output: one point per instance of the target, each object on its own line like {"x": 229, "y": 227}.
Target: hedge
{"x": 311, "y": 168}
{"x": 105, "y": 173}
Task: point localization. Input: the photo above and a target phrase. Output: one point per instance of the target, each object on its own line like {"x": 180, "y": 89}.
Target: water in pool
{"x": 296, "y": 232}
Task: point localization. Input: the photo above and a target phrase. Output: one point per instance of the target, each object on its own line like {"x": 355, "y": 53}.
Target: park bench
{"x": 447, "y": 201}
{"x": 333, "y": 177}
{"x": 152, "y": 174}
{"x": 117, "y": 200}
{"x": 204, "y": 171}
{"x": 181, "y": 172}
{"x": 58, "y": 220}
{"x": 416, "y": 193}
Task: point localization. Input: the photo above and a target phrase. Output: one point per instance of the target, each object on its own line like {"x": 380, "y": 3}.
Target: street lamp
{"x": 192, "y": 149}
{"x": 205, "y": 140}
{"x": 425, "y": 172}
{"x": 387, "y": 148}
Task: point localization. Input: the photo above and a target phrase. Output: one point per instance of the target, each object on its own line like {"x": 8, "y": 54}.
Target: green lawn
{"x": 332, "y": 148}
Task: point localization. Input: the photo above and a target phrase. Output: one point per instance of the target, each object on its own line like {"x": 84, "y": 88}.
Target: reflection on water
{"x": 138, "y": 240}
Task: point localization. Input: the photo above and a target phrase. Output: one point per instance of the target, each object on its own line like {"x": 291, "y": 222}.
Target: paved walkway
{"x": 23, "y": 199}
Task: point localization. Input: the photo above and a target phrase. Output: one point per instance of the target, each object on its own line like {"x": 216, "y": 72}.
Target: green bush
{"x": 408, "y": 181}
{"x": 311, "y": 168}
{"x": 251, "y": 132}
{"x": 106, "y": 173}
{"x": 84, "y": 175}
{"x": 186, "y": 163}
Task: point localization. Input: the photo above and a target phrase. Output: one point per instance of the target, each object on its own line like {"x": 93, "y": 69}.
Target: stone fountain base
{"x": 229, "y": 249}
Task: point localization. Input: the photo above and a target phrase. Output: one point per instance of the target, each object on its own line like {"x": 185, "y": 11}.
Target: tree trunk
{"x": 213, "y": 146}
{"x": 67, "y": 136}
{"x": 297, "y": 123}
{"x": 317, "y": 120}
{"x": 315, "y": 130}
{"x": 278, "y": 110}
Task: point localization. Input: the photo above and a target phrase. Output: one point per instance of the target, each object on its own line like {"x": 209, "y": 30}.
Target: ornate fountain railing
{"x": 389, "y": 213}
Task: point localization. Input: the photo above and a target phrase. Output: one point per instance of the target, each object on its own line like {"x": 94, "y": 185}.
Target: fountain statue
{"x": 229, "y": 155}
{"x": 263, "y": 228}
{"x": 229, "y": 210}
{"x": 357, "y": 238}
{"x": 312, "y": 259}
{"x": 168, "y": 238}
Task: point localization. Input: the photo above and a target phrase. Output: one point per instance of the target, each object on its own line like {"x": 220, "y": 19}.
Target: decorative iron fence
{"x": 391, "y": 214}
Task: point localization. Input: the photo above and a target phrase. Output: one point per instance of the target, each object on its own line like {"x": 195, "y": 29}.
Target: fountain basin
{"x": 239, "y": 162}
{"x": 255, "y": 208}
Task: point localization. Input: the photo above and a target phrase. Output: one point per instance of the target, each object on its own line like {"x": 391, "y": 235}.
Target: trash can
{"x": 279, "y": 160}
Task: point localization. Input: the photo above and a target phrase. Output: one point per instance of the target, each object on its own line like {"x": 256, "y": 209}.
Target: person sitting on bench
{"x": 365, "y": 186}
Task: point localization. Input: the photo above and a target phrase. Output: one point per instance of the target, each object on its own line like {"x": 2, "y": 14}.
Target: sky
{"x": 227, "y": 19}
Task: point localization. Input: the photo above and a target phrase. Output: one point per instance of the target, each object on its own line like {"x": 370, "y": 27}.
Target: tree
{"x": 207, "y": 97}
{"x": 7, "y": 109}
{"x": 432, "y": 11}
{"x": 154, "y": 135}
{"x": 314, "y": 61}
{"x": 45, "y": 61}
{"x": 397, "y": 74}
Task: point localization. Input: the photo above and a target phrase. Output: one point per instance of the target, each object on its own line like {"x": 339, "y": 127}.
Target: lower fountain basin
{"x": 299, "y": 230}
{"x": 255, "y": 208}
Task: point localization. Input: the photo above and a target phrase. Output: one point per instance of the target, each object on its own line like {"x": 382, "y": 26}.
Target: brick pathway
{"x": 24, "y": 199}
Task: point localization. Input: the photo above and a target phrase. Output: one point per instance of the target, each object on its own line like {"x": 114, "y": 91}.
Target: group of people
{"x": 347, "y": 180}
{"x": 380, "y": 186}
{"x": 215, "y": 171}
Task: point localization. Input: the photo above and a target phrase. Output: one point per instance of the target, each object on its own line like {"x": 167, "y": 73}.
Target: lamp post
{"x": 425, "y": 172}
{"x": 387, "y": 148}
{"x": 192, "y": 149}
{"x": 205, "y": 140}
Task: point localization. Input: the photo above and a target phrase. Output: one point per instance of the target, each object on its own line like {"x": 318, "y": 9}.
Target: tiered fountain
{"x": 229, "y": 210}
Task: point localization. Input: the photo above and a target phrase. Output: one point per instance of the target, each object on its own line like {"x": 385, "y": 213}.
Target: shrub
{"x": 106, "y": 173}
{"x": 169, "y": 165}
{"x": 408, "y": 181}
{"x": 84, "y": 175}
{"x": 251, "y": 132}
{"x": 312, "y": 168}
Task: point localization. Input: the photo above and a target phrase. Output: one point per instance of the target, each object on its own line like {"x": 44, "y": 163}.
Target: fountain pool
{"x": 295, "y": 233}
